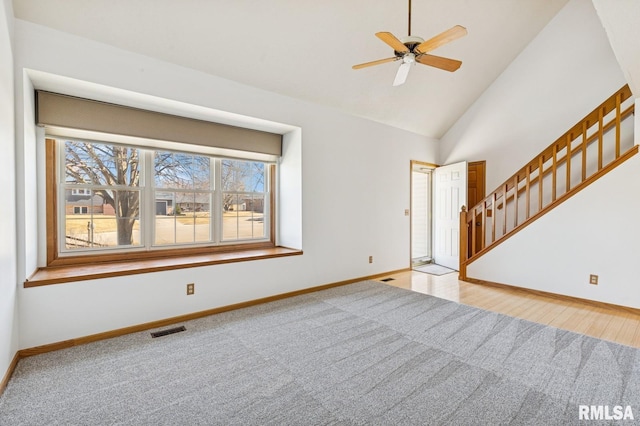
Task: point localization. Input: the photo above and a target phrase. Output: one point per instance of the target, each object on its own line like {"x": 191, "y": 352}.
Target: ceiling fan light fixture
{"x": 409, "y": 58}
{"x": 412, "y": 49}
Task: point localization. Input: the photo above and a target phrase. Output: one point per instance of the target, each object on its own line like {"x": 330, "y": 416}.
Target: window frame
{"x": 54, "y": 257}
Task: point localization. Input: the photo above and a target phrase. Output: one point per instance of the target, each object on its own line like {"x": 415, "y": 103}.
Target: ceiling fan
{"x": 413, "y": 49}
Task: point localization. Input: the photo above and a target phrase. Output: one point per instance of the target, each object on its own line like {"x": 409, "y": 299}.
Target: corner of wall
{"x": 9, "y": 332}
{"x": 290, "y": 189}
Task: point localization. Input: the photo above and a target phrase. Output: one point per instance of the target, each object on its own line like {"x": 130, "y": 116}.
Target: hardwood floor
{"x": 606, "y": 323}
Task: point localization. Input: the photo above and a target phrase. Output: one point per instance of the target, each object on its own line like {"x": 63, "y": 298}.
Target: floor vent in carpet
{"x": 168, "y": 331}
{"x": 386, "y": 280}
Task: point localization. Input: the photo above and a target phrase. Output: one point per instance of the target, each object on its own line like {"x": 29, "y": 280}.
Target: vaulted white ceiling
{"x": 305, "y": 49}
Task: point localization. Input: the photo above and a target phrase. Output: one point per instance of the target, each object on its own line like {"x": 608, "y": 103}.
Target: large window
{"x": 114, "y": 198}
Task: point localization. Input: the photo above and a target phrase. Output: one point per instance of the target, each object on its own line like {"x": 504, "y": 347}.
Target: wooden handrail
{"x": 561, "y": 153}
{"x": 572, "y": 133}
{"x": 578, "y": 151}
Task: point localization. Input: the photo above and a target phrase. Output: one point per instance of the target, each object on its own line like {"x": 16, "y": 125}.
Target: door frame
{"x": 481, "y": 173}
{"x": 432, "y": 166}
{"x": 471, "y": 164}
{"x": 409, "y": 213}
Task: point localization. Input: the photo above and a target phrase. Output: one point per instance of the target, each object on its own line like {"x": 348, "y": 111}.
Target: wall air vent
{"x": 168, "y": 331}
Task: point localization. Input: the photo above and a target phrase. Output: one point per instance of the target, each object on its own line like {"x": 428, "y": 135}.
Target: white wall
{"x": 354, "y": 179}
{"x": 8, "y": 282}
{"x": 594, "y": 232}
{"x": 565, "y": 72}
{"x": 562, "y": 75}
{"x": 620, "y": 20}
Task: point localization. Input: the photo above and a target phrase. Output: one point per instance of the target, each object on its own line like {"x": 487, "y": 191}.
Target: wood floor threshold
{"x": 9, "y": 373}
{"x": 65, "y": 274}
{"x": 187, "y": 317}
{"x": 556, "y": 296}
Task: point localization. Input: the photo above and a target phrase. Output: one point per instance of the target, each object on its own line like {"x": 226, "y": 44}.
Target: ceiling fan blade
{"x": 401, "y": 75}
{"x": 392, "y": 41}
{"x": 372, "y": 63}
{"x": 439, "y": 62}
{"x": 445, "y": 37}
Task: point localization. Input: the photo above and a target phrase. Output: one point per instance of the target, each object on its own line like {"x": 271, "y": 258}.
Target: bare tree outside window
{"x": 181, "y": 171}
{"x": 183, "y": 198}
{"x": 241, "y": 176}
{"x": 243, "y": 199}
{"x": 110, "y": 169}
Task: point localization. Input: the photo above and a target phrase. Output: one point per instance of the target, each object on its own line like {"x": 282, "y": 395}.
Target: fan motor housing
{"x": 411, "y": 42}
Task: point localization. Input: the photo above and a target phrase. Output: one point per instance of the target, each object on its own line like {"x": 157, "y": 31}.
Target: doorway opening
{"x": 437, "y": 195}
{"x": 421, "y": 223}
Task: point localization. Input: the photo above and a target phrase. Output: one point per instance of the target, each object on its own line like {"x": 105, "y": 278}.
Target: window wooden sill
{"x": 65, "y": 274}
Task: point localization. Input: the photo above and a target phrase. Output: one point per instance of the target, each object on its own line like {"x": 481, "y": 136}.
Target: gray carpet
{"x": 362, "y": 354}
{"x": 434, "y": 269}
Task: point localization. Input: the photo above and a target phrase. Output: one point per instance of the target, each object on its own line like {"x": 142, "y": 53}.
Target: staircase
{"x": 594, "y": 146}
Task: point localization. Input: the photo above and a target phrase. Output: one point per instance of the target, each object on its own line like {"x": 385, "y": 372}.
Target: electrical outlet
{"x": 593, "y": 279}
{"x": 191, "y": 289}
{"x": 370, "y": 259}
{"x": 406, "y": 212}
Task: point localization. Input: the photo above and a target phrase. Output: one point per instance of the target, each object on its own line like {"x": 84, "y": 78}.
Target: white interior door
{"x": 450, "y": 194}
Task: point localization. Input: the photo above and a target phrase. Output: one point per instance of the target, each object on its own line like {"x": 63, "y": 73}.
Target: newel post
{"x": 464, "y": 244}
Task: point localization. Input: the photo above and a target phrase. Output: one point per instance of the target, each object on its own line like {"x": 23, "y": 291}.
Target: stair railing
{"x": 596, "y": 144}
